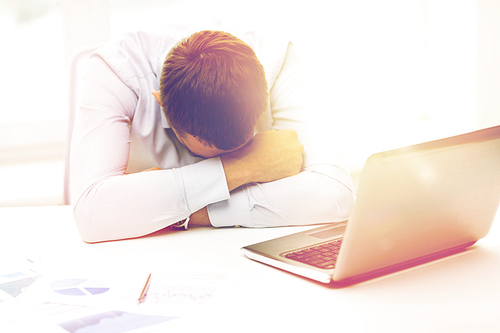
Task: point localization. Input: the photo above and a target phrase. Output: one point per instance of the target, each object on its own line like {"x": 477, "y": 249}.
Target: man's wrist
{"x": 200, "y": 218}
{"x": 235, "y": 171}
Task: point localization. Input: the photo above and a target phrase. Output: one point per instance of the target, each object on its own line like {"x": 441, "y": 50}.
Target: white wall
{"x": 395, "y": 71}
{"x": 84, "y": 23}
{"x": 488, "y": 63}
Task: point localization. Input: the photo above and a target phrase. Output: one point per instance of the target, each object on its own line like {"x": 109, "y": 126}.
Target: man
{"x": 222, "y": 137}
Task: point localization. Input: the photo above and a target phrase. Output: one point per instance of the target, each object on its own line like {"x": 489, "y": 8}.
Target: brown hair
{"x": 213, "y": 87}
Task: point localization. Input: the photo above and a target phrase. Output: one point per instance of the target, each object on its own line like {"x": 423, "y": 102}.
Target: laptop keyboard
{"x": 322, "y": 256}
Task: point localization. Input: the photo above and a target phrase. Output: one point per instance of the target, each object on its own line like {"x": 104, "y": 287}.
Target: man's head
{"x": 213, "y": 88}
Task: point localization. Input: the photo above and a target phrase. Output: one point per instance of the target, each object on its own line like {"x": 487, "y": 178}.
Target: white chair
{"x": 75, "y": 71}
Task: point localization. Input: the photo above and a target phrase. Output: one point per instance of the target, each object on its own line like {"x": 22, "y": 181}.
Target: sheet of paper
{"x": 114, "y": 290}
{"x": 69, "y": 299}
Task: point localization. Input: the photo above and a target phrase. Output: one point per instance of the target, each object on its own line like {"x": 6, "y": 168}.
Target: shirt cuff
{"x": 232, "y": 212}
{"x": 204, "y": 183}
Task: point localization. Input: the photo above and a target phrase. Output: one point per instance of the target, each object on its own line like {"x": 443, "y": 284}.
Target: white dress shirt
{"x": 120, "y": 130}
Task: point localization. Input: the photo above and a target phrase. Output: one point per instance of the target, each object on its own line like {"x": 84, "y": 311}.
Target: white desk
{"x": 455, "y": 294}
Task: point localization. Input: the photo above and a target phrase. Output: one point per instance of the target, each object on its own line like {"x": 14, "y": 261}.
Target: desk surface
{"x": 455, "y": 294}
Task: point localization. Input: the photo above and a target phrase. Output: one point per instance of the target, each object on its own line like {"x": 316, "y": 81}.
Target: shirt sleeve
{"x": 322, "y": 192}
{"x": 109, "y": 204}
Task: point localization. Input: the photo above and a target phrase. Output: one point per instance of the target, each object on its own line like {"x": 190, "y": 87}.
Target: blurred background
{"x": 392, "y": 72}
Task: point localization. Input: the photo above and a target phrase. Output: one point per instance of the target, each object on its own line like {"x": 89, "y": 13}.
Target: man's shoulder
{"x": 271, "y": 51}
{"x": 136, "y": 54}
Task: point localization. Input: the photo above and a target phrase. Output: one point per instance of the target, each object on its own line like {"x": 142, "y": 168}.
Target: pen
{"x": 144, "y": 290}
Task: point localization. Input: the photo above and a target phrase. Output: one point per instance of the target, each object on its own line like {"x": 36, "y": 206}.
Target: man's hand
{"x": 269, "y": 156}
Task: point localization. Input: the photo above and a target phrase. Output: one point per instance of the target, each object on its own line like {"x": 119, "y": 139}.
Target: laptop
{"x": 413, "y": 205}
